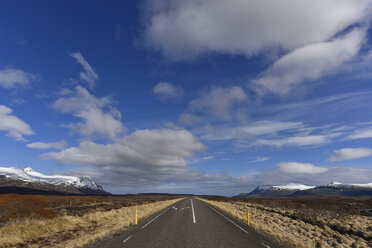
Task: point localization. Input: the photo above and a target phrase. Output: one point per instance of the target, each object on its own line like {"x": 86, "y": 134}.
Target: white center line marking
{"x": 193, "y": 212}
{"x": 226, "y": 218}
{"x": 156, "y": 217}
{"x": 125, "y": 240}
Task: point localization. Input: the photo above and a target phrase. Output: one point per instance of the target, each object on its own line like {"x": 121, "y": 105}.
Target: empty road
{"x": 187, "y": 223}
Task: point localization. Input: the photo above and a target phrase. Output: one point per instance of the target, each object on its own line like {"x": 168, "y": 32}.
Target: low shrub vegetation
{"x": 305, "y": 221}
{"x": 70, "y": 221}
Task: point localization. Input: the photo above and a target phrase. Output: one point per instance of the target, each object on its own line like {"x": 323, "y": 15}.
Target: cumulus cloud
{"x": 300, "y": 168}
{"x": 143, "y": 157}
{"x": 14, "y": 126}
{"x": 311, "y": 34}
{"x": 187, "y": 29}
{"x": 311, "y": 62}
{"x": 10, "y": 78}
{"x": 350, "y": 153}
{"x": 97, "y": 114}
{"x": 167, "y": 90}
{"x": 42, "y": 145}
{"x": 219, "y": 102}
{"x": 88, "y": 75}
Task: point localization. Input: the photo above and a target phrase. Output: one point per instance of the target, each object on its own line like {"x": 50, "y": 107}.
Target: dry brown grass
{"x": 75, "y": 231}
{"x": 297, "y": 228}
{"x": 20, "y": 208}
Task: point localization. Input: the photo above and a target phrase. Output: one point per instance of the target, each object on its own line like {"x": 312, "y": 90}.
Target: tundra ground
{"x": 305, "y": 222}
{"x": 58, "y": 221}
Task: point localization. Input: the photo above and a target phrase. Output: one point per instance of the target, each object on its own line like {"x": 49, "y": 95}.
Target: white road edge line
{"x": 157, "y": 216}
{"x": 193, "y": 212}
{"x": 125, "y": 240}
{"x": 227, "y": 218}
{"x": 265, "y": 245}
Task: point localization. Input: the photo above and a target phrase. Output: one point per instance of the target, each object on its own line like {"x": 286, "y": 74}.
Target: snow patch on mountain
{"x": 337, "y": 184}
{"x": 29, "y": 175}
{"x": 294, "y": 186}
{"x": 264, "y": 187}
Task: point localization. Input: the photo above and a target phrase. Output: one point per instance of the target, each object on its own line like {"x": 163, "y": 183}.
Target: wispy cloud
{"x": 362, "y": 133}
{"x": 10, "y": 78}
{"x": 300, "y": 168}
{"x": 15, "y": 127}
{"x": 350, "y": 153}
{"x": 42, "y": 145}
{"x": 167, "y": 90}
{"x": 221, "y": 103}
{"x": 253, "y": 129}
{"x": 258, "y": 159}
{"x": 88, "y": 75}
{"x": 311, "y": 62}
{"x": 308, "y": 140}
{"x": 326, "y": 107}
{"x": 284, "y": 134}
{"x": 200, "y": 159}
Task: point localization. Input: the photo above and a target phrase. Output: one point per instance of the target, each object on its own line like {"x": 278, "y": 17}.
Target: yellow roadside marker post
{"x": 136, "y": 217}
{"x": 247, "y": 217}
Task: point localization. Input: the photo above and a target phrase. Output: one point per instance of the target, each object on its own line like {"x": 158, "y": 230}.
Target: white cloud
{"x": 41, "y": 145}
{"x": 350, "y": 153}
{"x": 274, "y": 134}
{"x": 277, "y": 134}
{"x": 167, "y": 90}
{"x": 252, "y": 130}
{"x": 98, "y": 117}
{"x": 189, "y": 119}
{"x": 10, "y": 78}
{"x": 219, "y": 102}
{"x": 361, "y": 134}
{"x": 350, "y": 103}
{"x": 300, "y": 168}
{"x": 11, "y": 124}
{"x": 311, "y": 62}
{"x": 201, "y": 159}
{"x": 258, "y": 159}
{"x": 149, "y": 148}
{"x": 88, "y": 75}
{"x": 310, "y": 174}
{"x": 309, "y": 140}
{"x": 143, "y": 157}
{"x": 187, "y": 29}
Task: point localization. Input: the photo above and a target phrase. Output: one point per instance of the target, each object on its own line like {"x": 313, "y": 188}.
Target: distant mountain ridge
{"x": 295, "y": 189}
{"x": 28, "y": 181}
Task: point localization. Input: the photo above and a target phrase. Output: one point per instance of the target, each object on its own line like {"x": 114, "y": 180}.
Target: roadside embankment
{"x": 75, "y": 231}
{"x": 303, "y": 230}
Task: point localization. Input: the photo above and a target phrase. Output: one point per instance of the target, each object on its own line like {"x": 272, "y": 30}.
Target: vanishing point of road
{"x": 187, "y": 223}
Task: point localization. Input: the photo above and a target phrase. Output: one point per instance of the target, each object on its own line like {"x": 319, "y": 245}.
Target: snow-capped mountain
{"x": 293, "y": 186}
{"x": 295, "y": 189}
{"x": 15, "y": 177}
{"x": 337, "y": 184}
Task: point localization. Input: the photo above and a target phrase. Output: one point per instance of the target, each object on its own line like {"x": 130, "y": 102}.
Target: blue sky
{"x": 210, "y": 97}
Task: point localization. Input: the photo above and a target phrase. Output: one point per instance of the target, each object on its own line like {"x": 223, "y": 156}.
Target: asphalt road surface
{"x": 188, "y": 223}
